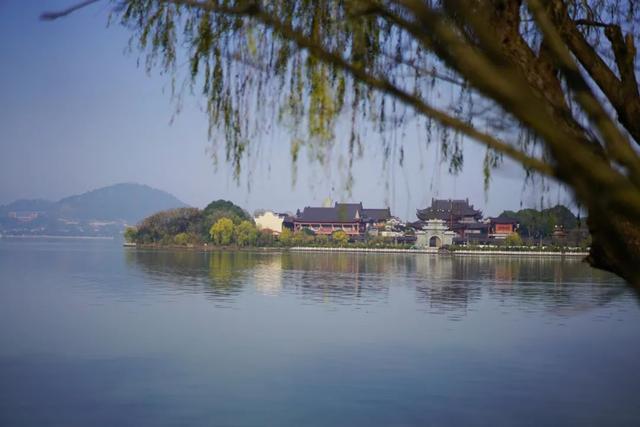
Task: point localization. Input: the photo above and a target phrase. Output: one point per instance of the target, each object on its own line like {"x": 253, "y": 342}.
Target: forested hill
{"x": 103, "y": 211}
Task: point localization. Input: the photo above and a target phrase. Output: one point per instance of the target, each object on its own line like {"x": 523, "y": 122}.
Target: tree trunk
{"x": 615, "y": 246}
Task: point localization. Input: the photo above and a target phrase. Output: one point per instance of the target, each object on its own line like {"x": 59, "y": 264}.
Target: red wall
{"x": 504, "y": 228}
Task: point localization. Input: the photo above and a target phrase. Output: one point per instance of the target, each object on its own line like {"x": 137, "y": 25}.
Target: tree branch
{"x": 617, "y": 144}
{"x": 624, "y": 51}
{"x": 626, "y": 102}
{"x": 590, "y": 23}
{"x": 50, "y": 16}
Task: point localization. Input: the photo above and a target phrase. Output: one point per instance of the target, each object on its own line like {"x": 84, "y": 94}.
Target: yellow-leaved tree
{"x": 222, "y": 232}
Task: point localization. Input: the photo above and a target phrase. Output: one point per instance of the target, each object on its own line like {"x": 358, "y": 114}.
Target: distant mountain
{"x": 104, "y": 211}
{"x": 120, "y": 202}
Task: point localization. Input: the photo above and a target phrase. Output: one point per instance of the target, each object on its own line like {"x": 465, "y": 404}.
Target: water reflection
{"x": 441, "y": 284}
{"x": 223, "y": 338}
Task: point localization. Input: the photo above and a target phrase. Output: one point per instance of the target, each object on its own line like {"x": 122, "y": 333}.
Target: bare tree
{"x": 551, "y": 84}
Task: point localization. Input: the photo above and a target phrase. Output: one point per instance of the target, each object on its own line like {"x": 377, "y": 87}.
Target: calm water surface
{"x": 94, "y": 334}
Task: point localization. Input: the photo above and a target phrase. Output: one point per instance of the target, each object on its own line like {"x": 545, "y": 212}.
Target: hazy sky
{"x": 76, "y": 113}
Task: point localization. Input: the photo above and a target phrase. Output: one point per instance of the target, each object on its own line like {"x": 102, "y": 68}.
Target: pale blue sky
{"x": 76, "y": 113}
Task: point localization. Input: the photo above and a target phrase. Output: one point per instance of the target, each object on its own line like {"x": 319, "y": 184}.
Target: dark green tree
{"x": 224, "y": 208}
{"x": 541, "y": 223}
{"x": 165, "y": 225}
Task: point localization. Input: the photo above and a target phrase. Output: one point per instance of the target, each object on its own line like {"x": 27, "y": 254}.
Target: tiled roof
{"x": 341, "y": 212}
{"x": 377, "y": 214}
{"x": 445, "y": 209}
{"x": 417, "y": 224}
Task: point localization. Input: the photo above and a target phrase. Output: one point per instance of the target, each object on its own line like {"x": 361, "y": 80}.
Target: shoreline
{"x": 427, "y": 251}
{"x": 203, "y": 248}
{"x": 435, "y": 251}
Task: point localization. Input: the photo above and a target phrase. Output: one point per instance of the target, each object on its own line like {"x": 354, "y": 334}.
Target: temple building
{"x": 377, "y": 218}
{"x": 352, "y": 218}
{"x": 458, "y": 216}
{"x": 451, "y": 211}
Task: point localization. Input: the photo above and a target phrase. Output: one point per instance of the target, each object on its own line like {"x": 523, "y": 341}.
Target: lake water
{"x": 95, "y": 334}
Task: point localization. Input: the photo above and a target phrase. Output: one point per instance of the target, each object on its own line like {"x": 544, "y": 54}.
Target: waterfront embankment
{"x": 430, "y": 251}
{"x": 442, "y": 252}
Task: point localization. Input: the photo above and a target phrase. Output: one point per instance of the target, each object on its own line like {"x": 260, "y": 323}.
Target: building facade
{"x": 434, "y": 235}
{"x": 270, "y": 221}
{"x": 458, "y": 216}
{"x": 352, "y": 218}
{"x": 500, "y": 228}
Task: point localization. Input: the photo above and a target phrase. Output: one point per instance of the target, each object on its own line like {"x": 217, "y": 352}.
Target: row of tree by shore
{"x": 222, "y": 223}
{"x": 184, "y": 227}
{"x": 225, "y": 224}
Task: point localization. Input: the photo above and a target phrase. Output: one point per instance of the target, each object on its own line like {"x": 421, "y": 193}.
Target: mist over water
{"x": 94, "y": 334}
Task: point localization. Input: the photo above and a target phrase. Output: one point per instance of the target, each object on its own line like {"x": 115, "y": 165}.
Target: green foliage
{"x": 309, "y": 94}
{"x": 181, "y": 239}
{"x": 265, "y": 238}
{"x": 311, "y": 89}
{"x": 513, "y": 239}
{"x": 322, "y": 240}
{"x": 540, "y": 224}
{"x": 286, "y": 237}
{"x": 163, "y": 227}
{"x": 246, "y": 234}
{"x": 219, "y": 209}
{"x": 379, "y": 242}
{"x": 302, "y": 237}
{"x": 226, "y": 209}
{"x": 340, "y": 238}
{"x": 130, "y": 234}
{"x": 222, "y": 232}
{"x": 166, "y": 224}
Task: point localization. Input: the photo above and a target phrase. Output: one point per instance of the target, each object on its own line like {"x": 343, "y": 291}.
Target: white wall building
{"x": 269, "y": 221}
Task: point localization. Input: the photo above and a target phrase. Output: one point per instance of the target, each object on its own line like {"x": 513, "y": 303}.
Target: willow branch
{"x": 288, "y": 32}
